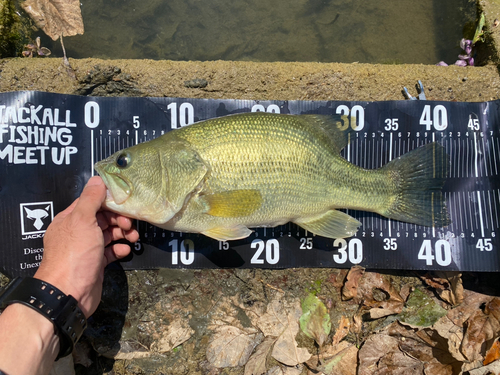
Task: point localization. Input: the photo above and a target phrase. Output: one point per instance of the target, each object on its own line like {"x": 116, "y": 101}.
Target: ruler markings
{"x": 373, "y": 151}
{"x": 479, "y": 205}
{"x": 494, "y": 154}
{"x": 495, "y": 205}
{"x": 491, "y": 210}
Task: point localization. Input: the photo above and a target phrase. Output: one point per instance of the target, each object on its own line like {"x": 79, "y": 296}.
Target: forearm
{"x": 28, "y": 343}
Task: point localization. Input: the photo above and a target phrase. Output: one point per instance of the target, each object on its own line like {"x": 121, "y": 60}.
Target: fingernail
{"x": 94, "y": 181}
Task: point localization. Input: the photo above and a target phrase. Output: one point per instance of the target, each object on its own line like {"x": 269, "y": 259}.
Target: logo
{"x": 36, "y": 217}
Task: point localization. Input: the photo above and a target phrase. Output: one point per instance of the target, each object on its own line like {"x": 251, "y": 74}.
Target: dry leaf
{"x": 256, "y": 364}
{"x": 275, "y": 320}
{"x": 340, "y": 360}
{"x": 286, "y": 349}
{"x": 402, "y": 350}
{"x": 376, "y": 291}
{"x": 231, "y": 346}
{"x": 175, "y": 334}
{"x": 281, "y": 320}
{"x": 453, "y": 333}
{"x": 277, "y": 370}
{"x": 357, "y": 323}
{"x": 350, "y": 289}
{"x": 342, "y": 330}
{"x": 131, "y": 350}
{"x": 492, "y": 368}
{"x": 448, "y": 286}
{"x": 56, "y": 17}
{"x": 492, "y": 354}
{"x": 482, "y": 328}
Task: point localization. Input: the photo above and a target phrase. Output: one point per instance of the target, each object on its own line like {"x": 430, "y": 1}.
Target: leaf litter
{"x": 434, "y": 328}
{"x": 274, "y": 326}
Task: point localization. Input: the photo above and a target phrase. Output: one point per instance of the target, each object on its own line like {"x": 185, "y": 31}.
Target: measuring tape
{"x": 49, "y": 143}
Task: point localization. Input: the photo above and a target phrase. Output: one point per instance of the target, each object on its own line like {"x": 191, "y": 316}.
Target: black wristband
{"x": 62, "y": 310}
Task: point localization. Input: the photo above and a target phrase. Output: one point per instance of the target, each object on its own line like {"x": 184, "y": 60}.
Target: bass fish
{"x": 222, "y": 176}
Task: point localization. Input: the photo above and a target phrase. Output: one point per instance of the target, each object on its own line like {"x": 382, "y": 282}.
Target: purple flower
{"x": 466, "y": 45}
{"x": 461, "y": 63}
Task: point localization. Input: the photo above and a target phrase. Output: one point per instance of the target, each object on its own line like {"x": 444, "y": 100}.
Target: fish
{"x": 223, "y": 176}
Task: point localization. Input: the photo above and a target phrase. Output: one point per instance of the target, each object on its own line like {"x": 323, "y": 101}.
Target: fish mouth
{"x": 119, "y": 188}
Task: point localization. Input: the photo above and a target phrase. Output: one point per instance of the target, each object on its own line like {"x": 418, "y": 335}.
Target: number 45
{"x": 484, "y": 244}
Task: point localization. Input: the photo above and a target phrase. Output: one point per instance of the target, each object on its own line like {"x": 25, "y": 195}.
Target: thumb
{"x": 92, "y": 196}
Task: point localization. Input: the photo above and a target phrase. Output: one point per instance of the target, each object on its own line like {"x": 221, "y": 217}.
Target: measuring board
{"x": 49, "y": 143}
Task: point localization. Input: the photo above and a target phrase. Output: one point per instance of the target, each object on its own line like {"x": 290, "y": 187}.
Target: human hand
{"x": 76, "y": 247}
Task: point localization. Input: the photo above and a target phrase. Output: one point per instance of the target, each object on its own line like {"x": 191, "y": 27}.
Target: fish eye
{"x": 122, "y": 160}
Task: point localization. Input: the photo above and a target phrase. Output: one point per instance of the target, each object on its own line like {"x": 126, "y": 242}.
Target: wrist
{"x": 23, "y": 327}
{"x": 50, "y": 303}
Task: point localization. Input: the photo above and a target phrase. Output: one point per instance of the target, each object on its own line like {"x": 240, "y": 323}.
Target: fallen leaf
{"x": 350, "y": 289}
{"x": 176, "y": 333}
{"x": 131, "y": 350}
{"x": 315, "y": 320}
{"x": 231, "y": 346}
{"x": 453, "y": 333}
{"x": 339, "y": 360}
{"x": 492, "y": 354}
{"x": 472, "y": 302}
{"x": 274, "y": 321}
{"x": 277, "y": 370}
{"x": 342, "y": 330}
{"x": 357, "y": 323}
{"x": 492, "y": 368}
{"x": 403, "y": 350}
{"x": 448, "y": 286}
{"x": 286, "y": 349}
{"x": 482, "y": 328}
{"x": 56, "y": 17}
{"x": 375, "y": 291}
{"x": 421, "y": 310}
{"x": 256, "y": 364}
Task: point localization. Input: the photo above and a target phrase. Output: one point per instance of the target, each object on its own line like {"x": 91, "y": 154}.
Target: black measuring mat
{"x": 49, "y": 143}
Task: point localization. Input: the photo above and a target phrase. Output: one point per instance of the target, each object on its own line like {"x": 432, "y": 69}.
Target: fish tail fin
{"x": 419, "y": 176}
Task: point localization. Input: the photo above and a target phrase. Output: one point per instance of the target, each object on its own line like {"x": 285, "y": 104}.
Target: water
{"x": 383, "y": 31}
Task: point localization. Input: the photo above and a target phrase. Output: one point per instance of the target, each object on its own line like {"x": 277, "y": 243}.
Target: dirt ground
{"x": 235, "y": 321}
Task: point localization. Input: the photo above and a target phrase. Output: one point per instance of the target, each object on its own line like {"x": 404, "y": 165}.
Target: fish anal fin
{"x": 233, "y": 203}
{"x": 331, "y": 224}
{"x": 236, "y": 232}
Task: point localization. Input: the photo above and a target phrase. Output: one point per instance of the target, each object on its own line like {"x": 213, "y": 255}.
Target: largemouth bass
{"x": 222, "y": 176}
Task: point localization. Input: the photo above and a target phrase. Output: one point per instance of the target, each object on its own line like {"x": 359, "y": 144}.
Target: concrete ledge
{"x": 249, "y": 80}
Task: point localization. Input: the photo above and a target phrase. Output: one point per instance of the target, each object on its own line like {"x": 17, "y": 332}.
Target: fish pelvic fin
{"x": 332, "y": 224}
{"x": 235, "y": 232}
{"x": 233, "y": 203}
{"x": 419, "y": 177}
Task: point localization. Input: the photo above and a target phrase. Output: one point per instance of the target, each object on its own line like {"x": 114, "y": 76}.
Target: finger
{"x": 115, "y": 252}
{"x": 102, "y": 221}
{"x": 115, "y": 234}
{"x": 92, "y": 197}
{"x": 118, "y": 220}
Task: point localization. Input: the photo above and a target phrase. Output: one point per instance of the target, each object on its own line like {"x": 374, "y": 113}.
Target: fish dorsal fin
{"x": 185, "y": 171}
{"x": 233, "y": 203}
{"x": 336, "y": 128}
{"x": 331, "y": 224}
{"x": 235, "y": 232}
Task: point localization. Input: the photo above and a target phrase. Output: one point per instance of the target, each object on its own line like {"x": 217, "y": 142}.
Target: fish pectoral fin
{"x": 235, "y": 232}
{"x": 233, "y": 203}
{"x": 332, "y": 224}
